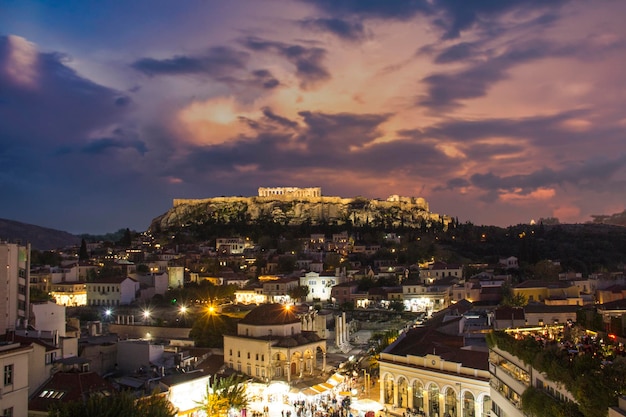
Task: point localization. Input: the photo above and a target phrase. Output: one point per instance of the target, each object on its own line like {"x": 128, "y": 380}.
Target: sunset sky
{"x": 496, "y": 112}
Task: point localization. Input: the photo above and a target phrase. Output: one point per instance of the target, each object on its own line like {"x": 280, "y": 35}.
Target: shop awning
{"x": 336, "y": 379}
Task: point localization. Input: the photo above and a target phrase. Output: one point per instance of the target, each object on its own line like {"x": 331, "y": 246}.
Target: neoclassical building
{"x": 431, "y": 369}
{"x": 270, "y": 344}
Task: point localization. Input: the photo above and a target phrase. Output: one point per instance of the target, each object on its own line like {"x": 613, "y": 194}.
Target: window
{"x": 230, "y": 352}
{"x": 7, "y": 412}
{"x": 50, "y": 357}
{"x": 239, "y": 354}
{"x": 257, "y": 356}
{"x": 248, "y": 355}
{"x": 263, "y": 358}
{"x": 8, "y": 374}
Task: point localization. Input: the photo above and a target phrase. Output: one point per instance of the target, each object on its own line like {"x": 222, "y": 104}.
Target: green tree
{"x": 299, "y": 293}
{"x": 37, "y": 295}
{"x": 545, "y": 270}
{"x": 224, "y": 394}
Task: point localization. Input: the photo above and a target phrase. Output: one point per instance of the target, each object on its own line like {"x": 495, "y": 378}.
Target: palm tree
{"x": 224, "y": 394}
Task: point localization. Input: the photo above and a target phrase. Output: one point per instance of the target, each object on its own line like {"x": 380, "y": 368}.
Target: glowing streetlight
{"x": 211, "y": 309}
{"x": 183, "y": 309}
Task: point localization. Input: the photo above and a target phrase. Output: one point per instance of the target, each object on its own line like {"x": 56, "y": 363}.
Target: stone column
{"x": 409, "y": 396}
{"x": 301, "y": 364}
{"x": 395, "y": 393}
{"x": 323, "y": 361}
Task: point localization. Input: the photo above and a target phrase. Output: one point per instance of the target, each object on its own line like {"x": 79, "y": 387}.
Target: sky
{"x": 496, "y": 112}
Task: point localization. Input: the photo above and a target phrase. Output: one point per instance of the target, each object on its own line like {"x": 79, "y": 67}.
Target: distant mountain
{"x": 40, "y": 238}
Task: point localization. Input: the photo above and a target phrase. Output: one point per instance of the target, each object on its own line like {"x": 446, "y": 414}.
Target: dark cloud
{"x": 383, "y": 9}
{"x": 445, "y": 90}
{"x": 459, "y": 52}
{"x": 588, "y": 174}
{"x": 451, "y": 16}
{"x": 317, "y": 141}
{"x": 218, "y": 61}
{"x": 122, "y": 101}
{"x": 283, "y": 121}
{"x": 351, "y": 31}
{"x": 308, "y": 61}
{"x": 460, "y": 15}
{"x": 266, "y": 78}
{"x": 59, "y": 106}
{"x": 103, "y": 144}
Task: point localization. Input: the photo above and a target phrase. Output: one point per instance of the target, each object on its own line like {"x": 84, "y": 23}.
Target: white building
{"x": 112, "y": 291}
{"x": 14, "y": 389}
{"x": 320, "y": 286}
{"x": 14, "y": 286}
{"x": 48, "y": 316}
{"x": 440, "y": 270}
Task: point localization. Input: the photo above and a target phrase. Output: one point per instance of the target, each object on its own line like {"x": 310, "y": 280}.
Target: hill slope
{"x": 40, "y": 238}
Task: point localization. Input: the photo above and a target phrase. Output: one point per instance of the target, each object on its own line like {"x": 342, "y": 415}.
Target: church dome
{"x": 270, "y": 314}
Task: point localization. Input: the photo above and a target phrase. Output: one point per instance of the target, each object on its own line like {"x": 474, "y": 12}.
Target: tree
{"x": 37, "y": 295}
{"x": 83, "y": 255}
{"x": 299, "y": 293}
{"x": 396, "y": 305}
{"x": 545, "y": 270}
{"x": 126, "y": 239}
{"x": 117, "y": 405}
{"x": 224, "y": 394}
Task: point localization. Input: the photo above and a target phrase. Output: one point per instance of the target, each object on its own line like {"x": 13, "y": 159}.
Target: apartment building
{"x": 14, "y": 285}
{"x": 14, "y": 384}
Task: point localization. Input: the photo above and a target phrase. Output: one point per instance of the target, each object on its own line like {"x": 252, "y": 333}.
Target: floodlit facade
{"x": 432, "y": 370}
{"x": 270, "y": 344}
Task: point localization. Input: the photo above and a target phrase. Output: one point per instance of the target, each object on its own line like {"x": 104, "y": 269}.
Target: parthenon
{"x": 290, "y": 192}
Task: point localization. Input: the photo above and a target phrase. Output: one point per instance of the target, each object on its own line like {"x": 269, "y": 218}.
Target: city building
{"x": 112, "y": 291}
{"x": 70, "y": 294}
{"x": 440, "y": 270}
{"x": 320, "y": 286}
{"x": 14, "y": 387}
{"x": 432, "y": 369}
{"x": 549, "y": 292}
{"x": 270, "y": 344}
{"x": 511, "y": 377}
{"x": 14, "y": 286}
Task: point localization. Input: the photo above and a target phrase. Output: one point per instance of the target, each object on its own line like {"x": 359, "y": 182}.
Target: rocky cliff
{"x": 393, "y": 212}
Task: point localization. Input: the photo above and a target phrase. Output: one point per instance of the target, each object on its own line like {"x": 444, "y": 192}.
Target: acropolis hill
{"x": 293, "y": 206}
